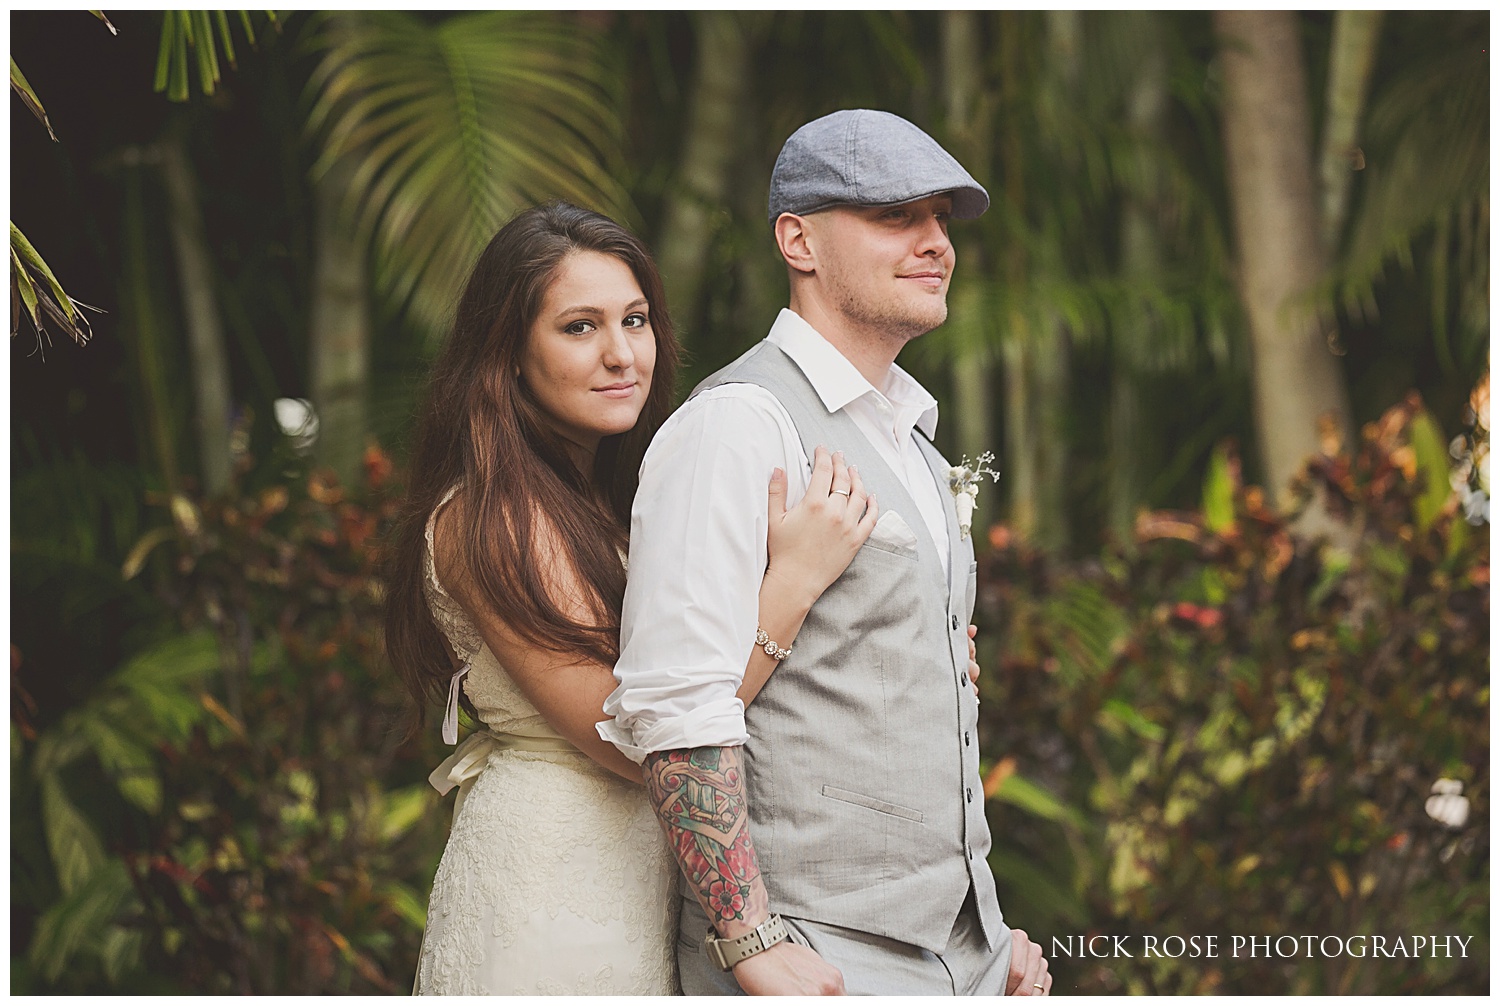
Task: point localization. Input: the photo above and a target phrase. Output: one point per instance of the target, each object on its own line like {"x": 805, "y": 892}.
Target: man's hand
{"x": 788, "y": 969}
{"x": 1028, "y": 968}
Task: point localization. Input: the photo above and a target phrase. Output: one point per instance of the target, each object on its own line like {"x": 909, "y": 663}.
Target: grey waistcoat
{"x": 862, "y": 767}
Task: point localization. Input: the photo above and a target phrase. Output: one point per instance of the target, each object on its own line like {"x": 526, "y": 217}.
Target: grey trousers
{"x": 871, "y": 965}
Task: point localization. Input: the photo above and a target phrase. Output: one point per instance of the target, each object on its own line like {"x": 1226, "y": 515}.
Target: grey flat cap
{"x": 862, "y": 157}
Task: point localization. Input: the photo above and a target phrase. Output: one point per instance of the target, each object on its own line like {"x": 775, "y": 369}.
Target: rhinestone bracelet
{"x": 764, "y": 641}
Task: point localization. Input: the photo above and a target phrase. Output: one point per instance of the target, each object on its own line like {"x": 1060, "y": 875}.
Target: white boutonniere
{"x": 963, "y": 480}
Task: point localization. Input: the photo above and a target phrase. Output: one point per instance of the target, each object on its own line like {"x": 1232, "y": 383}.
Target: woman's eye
{"x": 636, "y": 320}
{"x": 580, "y": 328}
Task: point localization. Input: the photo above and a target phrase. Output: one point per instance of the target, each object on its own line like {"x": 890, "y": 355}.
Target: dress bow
{"x": 465, "y": 763}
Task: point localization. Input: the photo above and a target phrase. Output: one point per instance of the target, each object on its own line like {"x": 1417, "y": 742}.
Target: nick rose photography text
{"x": 1260, "y": 946}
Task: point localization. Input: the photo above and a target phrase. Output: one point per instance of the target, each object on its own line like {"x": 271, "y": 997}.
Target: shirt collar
{"x": 838, "y": 382}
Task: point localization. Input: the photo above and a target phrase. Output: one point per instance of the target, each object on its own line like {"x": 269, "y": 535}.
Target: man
{"x": 834, "y": 832}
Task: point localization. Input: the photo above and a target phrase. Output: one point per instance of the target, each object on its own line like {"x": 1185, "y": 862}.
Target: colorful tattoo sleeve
{"x": 699, "y": 796}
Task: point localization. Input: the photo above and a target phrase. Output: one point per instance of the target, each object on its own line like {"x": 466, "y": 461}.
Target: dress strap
{"x": 430, "y": 560}
{"x": 450, "y": 713}
{"x": 461, "y": 635}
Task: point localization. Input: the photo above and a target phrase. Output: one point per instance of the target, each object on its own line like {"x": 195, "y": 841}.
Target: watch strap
{"x": 725, "y": 954}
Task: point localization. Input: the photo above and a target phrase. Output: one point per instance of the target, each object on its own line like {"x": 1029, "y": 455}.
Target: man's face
{"x": 888, "y": 267}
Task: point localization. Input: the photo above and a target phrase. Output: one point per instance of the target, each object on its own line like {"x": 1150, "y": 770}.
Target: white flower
{"x": 963, "y": 481}
{"x": 1446, "y": 806}
{"x": 298, "y": 421}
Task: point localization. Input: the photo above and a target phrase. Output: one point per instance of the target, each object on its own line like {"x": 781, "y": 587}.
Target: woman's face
{"x": 590, "y": 353}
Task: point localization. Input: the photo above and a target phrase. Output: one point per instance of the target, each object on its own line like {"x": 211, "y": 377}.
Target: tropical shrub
{"x": 237, "y": 808}
{"x": 1230, "y": 727}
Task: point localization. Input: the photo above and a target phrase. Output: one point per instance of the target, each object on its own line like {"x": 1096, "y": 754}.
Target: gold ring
{"x": 1036, "y": 986}
{"x": 839, "y": 492}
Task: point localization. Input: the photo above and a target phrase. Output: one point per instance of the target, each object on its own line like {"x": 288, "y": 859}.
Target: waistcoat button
{"x": 955, "y": 622}
{"x": 968, "y": 795}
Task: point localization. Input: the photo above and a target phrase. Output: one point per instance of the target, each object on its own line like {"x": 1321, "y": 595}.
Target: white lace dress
{"x": 556, "y": 878}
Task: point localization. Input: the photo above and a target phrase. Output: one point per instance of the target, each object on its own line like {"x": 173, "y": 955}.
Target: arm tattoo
{"x": 699, "y": 795}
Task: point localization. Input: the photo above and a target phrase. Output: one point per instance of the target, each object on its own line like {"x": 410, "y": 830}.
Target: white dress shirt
{"x": 698, "y": 538}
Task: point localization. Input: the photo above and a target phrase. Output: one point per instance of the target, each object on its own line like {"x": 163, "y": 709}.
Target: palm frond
{"x": 1427, "y": 150}
{"x": 203, "y": 32}
{"x": 23, "y": 89}
{"x": 1080, "y": 155}
{"x": 36, "y": 291}
{"x": 1185, "y": 316}
{"x": 452, "y": 128}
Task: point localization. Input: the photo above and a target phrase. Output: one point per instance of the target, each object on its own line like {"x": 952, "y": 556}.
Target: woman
{"x": 509, "y": 565}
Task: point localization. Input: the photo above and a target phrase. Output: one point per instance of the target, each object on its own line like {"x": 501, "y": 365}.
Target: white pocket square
{"x": 891, "y": 531}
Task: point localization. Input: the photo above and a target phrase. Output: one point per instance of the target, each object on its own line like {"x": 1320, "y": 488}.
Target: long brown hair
{"x": 480, "y": 427}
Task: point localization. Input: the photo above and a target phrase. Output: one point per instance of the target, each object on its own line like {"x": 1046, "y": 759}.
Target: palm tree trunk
{"x": 760, "y": 280}
{"x": 1356, "y": 36}
{"x": 1020, "y": 453}
{"x": 1051, "y": 381}
{"x": 1017, "y": 348}
{"x": 1273, "y": 193}
{"x": 206, "y": 348}
{"x": 973, "y": 368}
{"x": 719, "y": 90}
{"x": 1140, "y": 262}
{"x": 339, "y": 331}
{"x": 144, "y": 328}
{"x": 1054, "y": 349}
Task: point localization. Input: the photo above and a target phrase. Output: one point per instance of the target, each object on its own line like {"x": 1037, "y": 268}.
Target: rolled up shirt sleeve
{"x": 697, "y": 557}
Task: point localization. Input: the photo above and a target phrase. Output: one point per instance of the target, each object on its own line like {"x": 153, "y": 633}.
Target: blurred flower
{"x": 1204, "y": 618}
{"x": 1000, "y": 536}
{"x": 299, "y": 421}
{"x": 1446, "y": 806}
{"x": 1477, "y": 508}
{"x": 378, "y": 466}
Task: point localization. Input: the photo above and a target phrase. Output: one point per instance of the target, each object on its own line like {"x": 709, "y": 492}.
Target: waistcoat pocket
{"x": 891, "y": 548}
{"x": 870, "y": 803}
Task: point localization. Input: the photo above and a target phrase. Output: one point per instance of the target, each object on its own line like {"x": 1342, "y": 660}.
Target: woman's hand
{"x": 973, "y": 662}
{"x": 810, "y": 545}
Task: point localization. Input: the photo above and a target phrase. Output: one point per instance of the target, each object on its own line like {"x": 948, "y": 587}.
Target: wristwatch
{"x": 725, "y": 954}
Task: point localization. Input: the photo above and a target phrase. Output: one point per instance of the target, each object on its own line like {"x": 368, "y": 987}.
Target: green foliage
{"x": 1430, "y": 453}
{"x": 190, "y": 40}
{"x": 453, "y": 127}
{"x": 1250, "y": 725}
{"x": 1426, "y": 187}
{"x": 1218, "y": 491}
{"x": 35, "y": 290}
{"x": 84, "y": 920}
{"x": 234, "y": 809}
{"x": 24, "y": 90}
{"x": 150, "y": 701}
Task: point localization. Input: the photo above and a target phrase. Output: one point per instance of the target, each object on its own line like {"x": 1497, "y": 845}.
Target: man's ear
{"x": 794, "y": 238}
